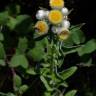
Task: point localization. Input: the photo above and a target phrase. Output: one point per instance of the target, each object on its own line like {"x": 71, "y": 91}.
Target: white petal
{"x": 65, "y": 11}
{"x": 66, "y": 24}
{"x": 40, "y": 14}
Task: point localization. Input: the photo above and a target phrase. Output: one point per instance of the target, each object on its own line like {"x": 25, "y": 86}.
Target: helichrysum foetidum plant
{"x": 55, "y": 25}
{"x": 26, "y": 52}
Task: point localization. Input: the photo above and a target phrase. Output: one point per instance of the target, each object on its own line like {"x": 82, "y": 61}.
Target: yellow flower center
{"x": 57, "y": 3}
{"x": 42, "y": 27}
{"x": 64, "y": 34}
{"x": 55, "y": 16}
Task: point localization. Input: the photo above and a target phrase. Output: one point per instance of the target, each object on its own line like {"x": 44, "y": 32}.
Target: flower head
{"x": 55, "y": 16}
{"x": 64, "y": 34}
{"x": 58, "y": 4}
{"x": 42, "y": 27}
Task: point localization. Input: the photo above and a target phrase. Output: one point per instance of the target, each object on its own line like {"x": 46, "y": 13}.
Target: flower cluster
{"x": 57, "y": 17}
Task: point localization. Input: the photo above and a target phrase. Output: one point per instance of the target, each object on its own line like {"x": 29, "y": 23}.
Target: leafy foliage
{"x": 40, "y": 56}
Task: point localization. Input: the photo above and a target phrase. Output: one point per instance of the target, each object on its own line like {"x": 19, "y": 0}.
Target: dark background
{"x": 84, "y": 12}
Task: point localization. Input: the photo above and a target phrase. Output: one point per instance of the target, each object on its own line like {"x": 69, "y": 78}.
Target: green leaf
{"x": 77, "y": 35}
{"x": 12, "y": 23}
{"x": 17, "y": 81}
{"x": 64, "y": 84}
{"x": 71, "y": 93}
{"x": 44, "y": 71}
{"x": 3, "y": 94}
{"x": 2, "y": 51}
{"x": 4, "y": 17}
{"x": 47, "y": 94}
{"x": 2, "y": 62}
{"x": 69, "y": 42}
{"x": 20, "y": 24}
{"x": 31, "y": 71}
{"x": 46, "y": 83}
{"x": 37, "y": 53}
{"x": 88, "y": 48}
{"x": 23, "y": 23}
{"x": 88, "y": 63}
{"x": 13, "y": 9}
{"x": 10, "y": 94}
{"x": 45, "y": 65}
{"x": 19, "y": 60}
{"x": 1, "y": 37}
{"x": 23, "y": 89}
{"x": 68, "y": 72}
{"x": 77, "y": 26}
{"x": 22, "y": 45}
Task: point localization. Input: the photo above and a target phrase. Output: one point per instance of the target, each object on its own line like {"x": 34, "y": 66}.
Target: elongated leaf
{"x": 45, "y": 83}
{"x": 31, "y": 71}
{"x": 68, "y": 72}
{"x": 64, "y": 84}
{"x": 10, "y": 94}
{"x": 71, "y": 93}
{"x": 1, "y": 37}
{"x": 17, "y": 81}
{"x": 2, "y": 51}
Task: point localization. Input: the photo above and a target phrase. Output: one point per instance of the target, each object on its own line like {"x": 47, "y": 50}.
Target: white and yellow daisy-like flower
{"x": 64, "y": 34}
{"x": 55, "y": 16}
{"x": 42, "y": 27}
{"x": 57, "y": 4}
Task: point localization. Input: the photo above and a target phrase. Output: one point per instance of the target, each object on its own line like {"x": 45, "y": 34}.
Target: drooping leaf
{"x": 71, "y": 93}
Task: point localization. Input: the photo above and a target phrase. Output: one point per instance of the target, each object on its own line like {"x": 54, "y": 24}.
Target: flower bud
{"x": 40, "y": 14}
{"x": 66, "y": 24}
{"x": 65, "y": 11}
